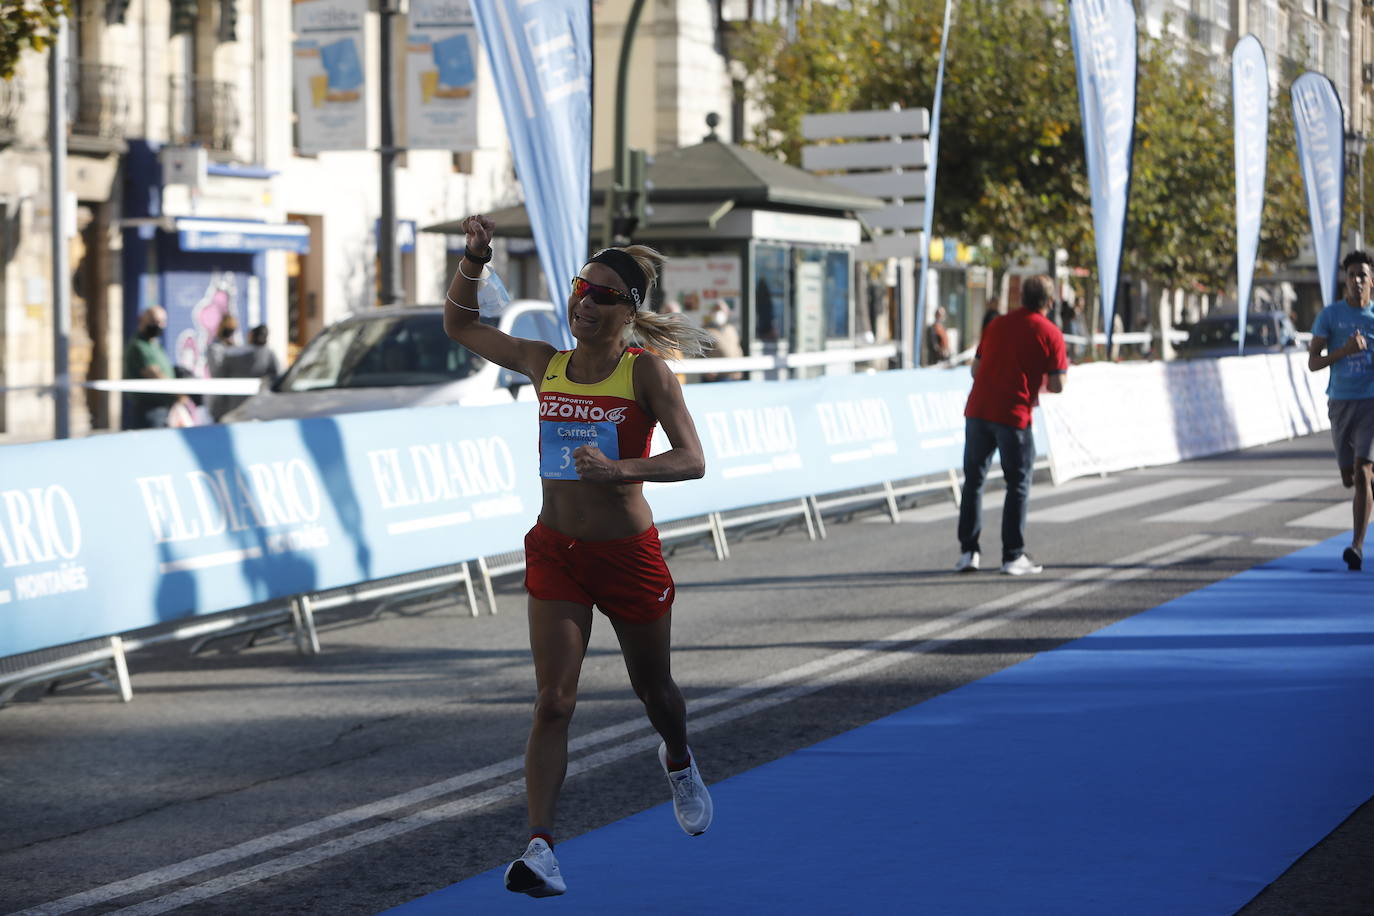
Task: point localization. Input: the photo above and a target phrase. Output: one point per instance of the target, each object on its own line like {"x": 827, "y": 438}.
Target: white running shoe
{"x": 1022, "y": 566}
{"x": 536, "y": 872}
{"x": 968, "y": 561}
{"x": 691, "y": 801}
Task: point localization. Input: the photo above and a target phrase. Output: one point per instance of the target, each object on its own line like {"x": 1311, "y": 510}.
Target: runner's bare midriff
{"x": 595, "y": 511}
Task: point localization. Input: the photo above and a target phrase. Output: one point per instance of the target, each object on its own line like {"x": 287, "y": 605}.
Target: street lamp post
{"x": 1355, "y": 144}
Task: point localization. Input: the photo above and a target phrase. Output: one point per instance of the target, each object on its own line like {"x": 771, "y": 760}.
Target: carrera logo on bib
{"x": 590, "y": 413}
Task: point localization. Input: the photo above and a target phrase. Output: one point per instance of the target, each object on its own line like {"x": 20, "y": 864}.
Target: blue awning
{"x": 241, "y": 236}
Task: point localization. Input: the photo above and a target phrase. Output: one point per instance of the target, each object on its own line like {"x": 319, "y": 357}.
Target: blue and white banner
{"x": 541, "y": 59}
{"x": 1320, "y": 124}
{"x": 1104, "y": 47}
{"x": 112, "y": 534}
{"x": 1250, "y": 110}
{"x": 115, "y": 533}
{"x": 329, "y": 71}
{"x": 441, "y": 76}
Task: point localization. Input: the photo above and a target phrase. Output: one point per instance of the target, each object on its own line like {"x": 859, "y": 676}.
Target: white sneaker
{"x": 1022, "y": 566}
{"x": 536, "y": 872}
{"x": 968, "y": 561}
{"x": 691, "y": 801}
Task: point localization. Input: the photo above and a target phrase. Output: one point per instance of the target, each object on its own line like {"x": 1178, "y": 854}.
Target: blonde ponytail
{"x": 670, "y": 336}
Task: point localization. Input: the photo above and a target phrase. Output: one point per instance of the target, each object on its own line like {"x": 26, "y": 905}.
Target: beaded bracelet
{"x": 460, "y": 305}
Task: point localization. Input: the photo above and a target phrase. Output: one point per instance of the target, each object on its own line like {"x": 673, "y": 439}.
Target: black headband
{"x": 627, "y": 268}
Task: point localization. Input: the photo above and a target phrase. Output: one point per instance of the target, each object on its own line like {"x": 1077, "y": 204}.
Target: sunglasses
{"x": 601, "y": 295}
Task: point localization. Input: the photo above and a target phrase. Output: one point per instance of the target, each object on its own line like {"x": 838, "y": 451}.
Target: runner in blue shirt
{"x": 1350, "y": 390}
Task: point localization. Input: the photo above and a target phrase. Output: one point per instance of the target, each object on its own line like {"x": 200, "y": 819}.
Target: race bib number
{"x": 558, "y": 441}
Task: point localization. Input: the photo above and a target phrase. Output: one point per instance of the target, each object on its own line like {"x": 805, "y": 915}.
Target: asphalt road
{"x": 257, "y": 781}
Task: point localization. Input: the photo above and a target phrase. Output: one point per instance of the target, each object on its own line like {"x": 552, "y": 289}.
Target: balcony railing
{"x": 204, "y": 111}
{"x": 98, "y": 99}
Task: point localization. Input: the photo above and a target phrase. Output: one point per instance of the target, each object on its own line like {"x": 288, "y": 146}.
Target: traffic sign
{"x": 896, "y": 216}
{"x": 906, "y": 185}
{"x": 867, "y": 155}
{"x": 890, "y": 246}
{"x": 883, "y": 123}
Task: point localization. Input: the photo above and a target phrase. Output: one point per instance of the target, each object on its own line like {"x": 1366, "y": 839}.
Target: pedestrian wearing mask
{"x": 725, "y": 343}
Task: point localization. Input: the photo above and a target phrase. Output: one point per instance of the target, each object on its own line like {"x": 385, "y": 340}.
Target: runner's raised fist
{"x": 479, "y": 229}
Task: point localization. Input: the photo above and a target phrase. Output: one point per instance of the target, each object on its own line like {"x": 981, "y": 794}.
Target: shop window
{"x": 772, "y": 292}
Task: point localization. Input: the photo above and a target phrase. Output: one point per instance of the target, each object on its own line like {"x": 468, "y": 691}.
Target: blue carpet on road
{"x": 1175, "y": 762}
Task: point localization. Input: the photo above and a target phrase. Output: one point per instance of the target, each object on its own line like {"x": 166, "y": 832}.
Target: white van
{"x": 397, "y": 357}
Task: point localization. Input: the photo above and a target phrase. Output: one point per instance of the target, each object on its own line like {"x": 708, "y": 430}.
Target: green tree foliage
{"x": 27, "y": 24}
{"x": 1181, "y": 220}
{"x": 1284, "y": 224}
{"x": 1010, "y": 147}
{"x": 1011, "y": 161}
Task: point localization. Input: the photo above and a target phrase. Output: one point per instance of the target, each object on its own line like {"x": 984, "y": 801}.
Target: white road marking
{"x": 812, "y": 676}
{"x": 941, "y": 511}
{"x": 1123, "y": 499}
{"x": 1337, "y": 517}
{"x": 1170, "y": 472}
{"x": 1287, "y": 542}
{"x": 1214, "y": 510}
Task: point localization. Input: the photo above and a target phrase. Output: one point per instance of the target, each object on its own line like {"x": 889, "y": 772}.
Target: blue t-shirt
{"x": 1352, "y": 378}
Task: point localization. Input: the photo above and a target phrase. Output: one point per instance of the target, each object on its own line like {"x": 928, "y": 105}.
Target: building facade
{"x": 262, "y": 232}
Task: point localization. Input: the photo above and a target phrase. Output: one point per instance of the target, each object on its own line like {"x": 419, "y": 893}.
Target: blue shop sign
{"x": 241, "y": 236}
{"x": 405, "y": 234}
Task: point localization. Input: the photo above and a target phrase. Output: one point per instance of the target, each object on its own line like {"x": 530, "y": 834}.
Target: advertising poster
{"x": 329, "y": 72}
{"x": 441, "y": 76}
{"x": 696, "y": 283}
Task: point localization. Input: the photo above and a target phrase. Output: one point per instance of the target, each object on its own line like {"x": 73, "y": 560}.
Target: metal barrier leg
{"x": 891, "y": 495}
{"x": 718, "y": 536}
{"x": 303, "y": 614}
{"x": 486, "y": 583}
{"x": 806, "y": 514}
{"x": 820, "y": 522}
{"x": 955, "y": 488}
{"x": 472, "y": 594}
{"x": 123, "y": 685}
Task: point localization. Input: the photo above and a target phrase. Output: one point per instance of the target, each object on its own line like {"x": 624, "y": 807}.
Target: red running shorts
{"x": 625, "y": 578}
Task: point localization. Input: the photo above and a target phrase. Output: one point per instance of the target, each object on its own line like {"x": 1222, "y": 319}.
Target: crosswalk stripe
{"x": 1336, "y": 516}
{"x": 942, "y": 511}
{"x": 1124, "y": 499}
{"x": 1223, "y": 507}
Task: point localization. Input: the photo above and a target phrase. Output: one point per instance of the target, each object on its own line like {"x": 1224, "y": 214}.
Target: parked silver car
{"x": 396, "y": 357}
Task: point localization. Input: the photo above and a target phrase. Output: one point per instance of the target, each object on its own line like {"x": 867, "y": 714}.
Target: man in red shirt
{"x": 1019, "y": 351}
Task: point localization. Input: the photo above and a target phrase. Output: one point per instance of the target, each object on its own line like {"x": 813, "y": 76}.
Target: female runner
{"x": 595, "y": 544}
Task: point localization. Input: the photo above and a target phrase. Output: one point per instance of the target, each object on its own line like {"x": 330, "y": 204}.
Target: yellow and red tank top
{"x": 604, "y": 414}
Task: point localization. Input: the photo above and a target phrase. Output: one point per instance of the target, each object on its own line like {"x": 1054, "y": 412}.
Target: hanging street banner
{"x": 1320, "y": 124}
{"x": 1250, "y": 111}
{"x": 1104, "y": 47}
{"x": 328, "y": 71}
{"x": 541, "y": 61}
{"x": 441, "y": 76}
